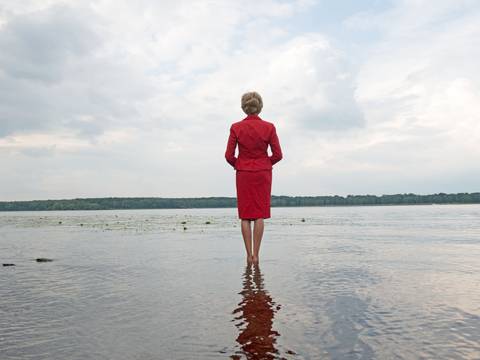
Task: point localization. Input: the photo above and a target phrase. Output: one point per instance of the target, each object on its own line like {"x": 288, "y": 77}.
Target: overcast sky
{"x": 135, "y": 98}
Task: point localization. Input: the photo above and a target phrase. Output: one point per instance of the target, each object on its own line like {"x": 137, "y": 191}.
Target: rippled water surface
{"x": 400, "y": 282}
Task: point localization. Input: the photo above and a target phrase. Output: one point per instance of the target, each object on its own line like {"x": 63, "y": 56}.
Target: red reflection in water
{"x": 254, "y": 318}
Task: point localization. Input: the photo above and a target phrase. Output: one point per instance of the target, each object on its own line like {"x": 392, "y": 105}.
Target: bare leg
{"x": 257, "y": 237}
{"x": 247, "y": 237}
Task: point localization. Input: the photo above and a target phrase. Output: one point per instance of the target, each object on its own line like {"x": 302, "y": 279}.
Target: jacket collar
{"x": 252, "y": 116}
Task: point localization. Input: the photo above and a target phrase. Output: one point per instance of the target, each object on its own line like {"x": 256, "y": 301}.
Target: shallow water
{"x": 398, "y": 282}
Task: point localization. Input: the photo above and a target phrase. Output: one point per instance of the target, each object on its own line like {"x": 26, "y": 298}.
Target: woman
{"x": 253, "y": 169}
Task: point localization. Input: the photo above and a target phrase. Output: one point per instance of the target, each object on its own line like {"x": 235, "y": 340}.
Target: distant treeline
{"x": 228, "y": 202}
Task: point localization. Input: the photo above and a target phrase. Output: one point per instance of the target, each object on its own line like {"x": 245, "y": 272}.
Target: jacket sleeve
{"x": 275, "y": 147}
{"x": 231, "y": 145}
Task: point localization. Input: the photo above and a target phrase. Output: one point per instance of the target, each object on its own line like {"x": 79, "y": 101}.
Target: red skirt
{"x": 254, "y": 190}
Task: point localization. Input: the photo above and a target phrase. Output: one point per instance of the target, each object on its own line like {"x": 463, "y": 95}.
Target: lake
{"x": 386, "y": 282}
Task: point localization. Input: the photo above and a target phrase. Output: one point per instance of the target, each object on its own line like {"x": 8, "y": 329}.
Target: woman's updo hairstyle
{"x": 252, "y": 103}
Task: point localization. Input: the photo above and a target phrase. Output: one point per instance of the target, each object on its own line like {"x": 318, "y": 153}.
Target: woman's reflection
{"x": 254, "y": 318}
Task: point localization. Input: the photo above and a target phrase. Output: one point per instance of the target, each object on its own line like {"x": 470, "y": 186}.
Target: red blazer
{"x": 253, "y": 135}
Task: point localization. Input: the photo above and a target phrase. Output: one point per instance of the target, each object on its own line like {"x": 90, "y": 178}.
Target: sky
{"x": 120, "y": 98}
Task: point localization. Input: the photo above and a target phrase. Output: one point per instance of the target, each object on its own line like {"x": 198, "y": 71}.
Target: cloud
{"x": 423, "y": 84}
{"x": 86, "y": 68}
{"x": 57, "y": 75}
{"x": 419, "y": 90}
{"x": 39, "y": 45}
{"x": 107, "y": 98}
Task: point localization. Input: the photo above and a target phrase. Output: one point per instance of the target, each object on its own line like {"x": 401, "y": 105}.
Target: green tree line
{"x": 228, "y": 202}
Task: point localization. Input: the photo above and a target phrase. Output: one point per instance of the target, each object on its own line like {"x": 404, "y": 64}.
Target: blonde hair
{"x": 252, "y": 103}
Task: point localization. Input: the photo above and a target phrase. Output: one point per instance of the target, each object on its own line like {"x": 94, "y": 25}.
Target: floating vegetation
{"x": 42, "y": 260}
{"x": 8, "y": 264}
{"x": 144, "y": 223}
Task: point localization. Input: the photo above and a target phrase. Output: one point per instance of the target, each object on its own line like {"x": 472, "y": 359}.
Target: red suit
{"x": 253, "y": 165}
